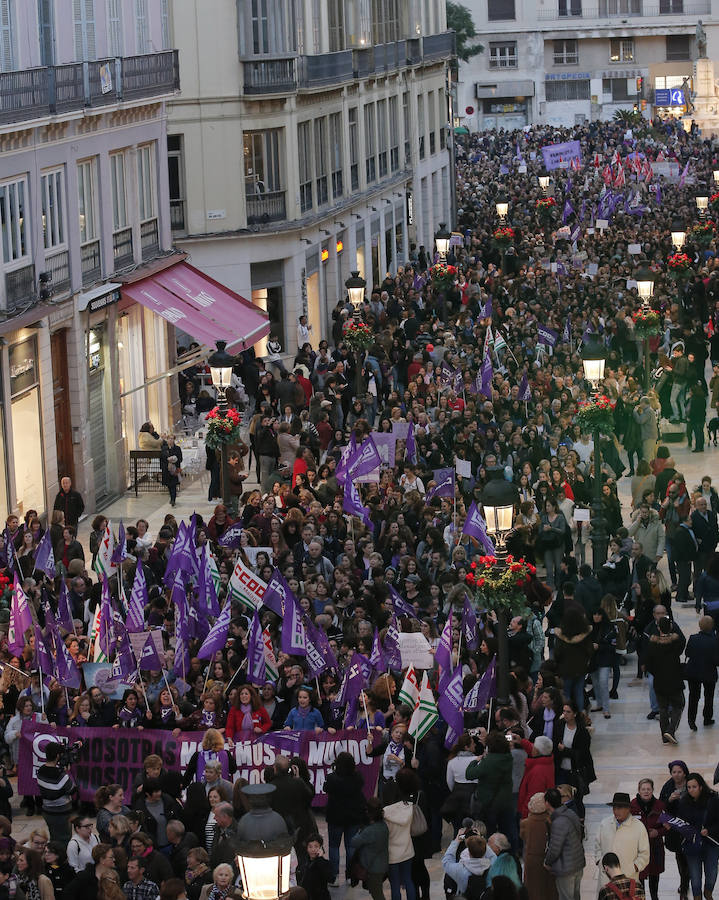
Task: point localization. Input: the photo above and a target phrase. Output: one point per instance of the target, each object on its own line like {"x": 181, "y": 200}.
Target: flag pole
{"x": 236, "y": 673}
{"x": 42, "y": 691}
{"x": 207, "y": 673}
{"x": 366, "y": 714}
{"x": 14, "y": 668}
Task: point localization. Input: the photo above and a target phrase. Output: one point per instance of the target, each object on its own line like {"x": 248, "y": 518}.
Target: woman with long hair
{"x": 573, "y": 753}
{"x": 247, "y": 714}
{"x": 31, "y": 876}
{"x": 700, "y": 807}
{"x": 109, "y": 802}
{"x": 673, "y": 790}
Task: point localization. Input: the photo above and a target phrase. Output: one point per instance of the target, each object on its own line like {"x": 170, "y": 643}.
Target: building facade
{"x": 84, "y": 200}
{"x": 311, "y": 138}
{"x": 563, "y": 62}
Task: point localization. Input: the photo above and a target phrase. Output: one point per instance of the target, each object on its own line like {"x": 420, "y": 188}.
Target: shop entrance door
{"x": 61, "y": 401}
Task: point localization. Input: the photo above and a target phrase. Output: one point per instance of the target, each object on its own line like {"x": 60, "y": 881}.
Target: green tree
{"x": 459, "y": 20}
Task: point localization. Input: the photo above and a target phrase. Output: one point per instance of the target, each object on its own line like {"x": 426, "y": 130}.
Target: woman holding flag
{"x": 699, "y": 807}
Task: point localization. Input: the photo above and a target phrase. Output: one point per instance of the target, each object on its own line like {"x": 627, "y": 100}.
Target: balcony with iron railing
{"x": 270, "y": 206}
{"x": 90, "y": 262}
{"x": 149, "y": 239}
{"x": 286, "y": 74}
{"x": 20, "y": 290}
{"x": 571, "y": 10}
{"x": 53, "y": 90}
{"x": 59, "y": 267}
{"x": 177, "y": 214}
{"x": 123, "y": 253}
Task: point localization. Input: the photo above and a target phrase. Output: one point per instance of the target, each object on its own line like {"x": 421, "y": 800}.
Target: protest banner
{"x": 414, "y": 648}
{"x": 560, "y": 155}
{"x": 115, "y": 755}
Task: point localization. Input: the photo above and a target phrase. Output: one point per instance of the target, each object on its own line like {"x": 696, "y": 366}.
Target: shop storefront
{"x": 505, "y": 105}
{"x": 27, "y": 437}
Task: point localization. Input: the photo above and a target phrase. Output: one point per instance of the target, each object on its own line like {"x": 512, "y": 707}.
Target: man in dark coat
{"x": 588, "y": 592}
{"x": 181, "y": 842}
{"x": 685, "y": 549}
{"x": 702, "y": 653}
{"x": 706, "y": 531}
{"x": 69, "y": 501}
{"x": 292, "y": 798}
{"x": 226, "y": 840}
{"x": 662, "y": 659}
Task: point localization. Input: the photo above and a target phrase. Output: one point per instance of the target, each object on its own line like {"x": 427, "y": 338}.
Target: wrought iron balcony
{"x": 59, "y": 265}
{"x": 53, "y": 90}
{"x": 20, "y": 289}
{"x": 122, "y": 249}
{"x": 149, "y": 239}
{"x": 90, "y": 262}
{"x": 267, "y": 207}
{"x": 439, "y": 46}
{"x": 177, "y": 215}
{"x": 622, "y": 9}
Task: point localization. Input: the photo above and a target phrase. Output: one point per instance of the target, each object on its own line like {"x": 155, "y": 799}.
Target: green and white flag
{"x": 103, "y": 564}
{"x": 98, "y": 653}
{"x": 409, "y": 692}
{"x": 246, "y": 588}
{"x": 214, "y": 572}
{"x": 425, "y": 713}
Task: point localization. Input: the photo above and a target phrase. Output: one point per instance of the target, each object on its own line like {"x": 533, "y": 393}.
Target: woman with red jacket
{"x": 538, "y": 770}
{"x": 248, "y": 714}
{"x": 647, "y": 809}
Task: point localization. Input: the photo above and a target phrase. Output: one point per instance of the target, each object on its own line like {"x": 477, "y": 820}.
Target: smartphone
{"x": 508, "y": 738}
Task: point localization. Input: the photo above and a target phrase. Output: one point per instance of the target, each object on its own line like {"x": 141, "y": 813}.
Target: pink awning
{"x": 200, "y": 306}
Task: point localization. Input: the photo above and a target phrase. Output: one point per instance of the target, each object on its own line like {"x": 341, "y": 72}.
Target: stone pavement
{"x": 626, "y": 747}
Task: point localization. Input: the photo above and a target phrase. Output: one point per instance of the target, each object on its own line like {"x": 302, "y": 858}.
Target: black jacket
{"x": 706, "y": 530}
{"x": 314, "y": 876}
{"x": 662, "y": 659}
{"x": 72, "y": 504}
{"x": 292, "y": 799}
{"x": 580, "y": 755}
{"x": 172, "y": 810}
{"x": 346, "y": 804}
{"x": 178, "y": 854}
{"x": 683, "y": 547}
{"x": 588, "y": 593}
{"x": 702, "y": 655}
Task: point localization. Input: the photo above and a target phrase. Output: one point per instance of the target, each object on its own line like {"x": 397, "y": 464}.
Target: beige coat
{"x": 630, "y": 842}
{"x": 398, "y": 817}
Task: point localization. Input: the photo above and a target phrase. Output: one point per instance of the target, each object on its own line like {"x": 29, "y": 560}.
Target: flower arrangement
{"x": 357, "y": 335}
{"x": 703, "y": 232}
{"x": 504, "y": 235}
{"x": 499, "y": 586}
{"x": 546, "y": 207}
{"x": 443, "y": 276}
{"x": 222, "y": 429}
{"x": 714, "y": 201}
{"x": 597, "y": 413}
{"x": 679, "y": 266}
{"x": 646, "y": 323}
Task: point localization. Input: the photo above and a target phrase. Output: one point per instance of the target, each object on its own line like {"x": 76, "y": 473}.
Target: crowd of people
{"x": 478, "y": 364}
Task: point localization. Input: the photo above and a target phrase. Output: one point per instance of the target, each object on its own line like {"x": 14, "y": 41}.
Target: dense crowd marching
{"x": 286, "y": 610}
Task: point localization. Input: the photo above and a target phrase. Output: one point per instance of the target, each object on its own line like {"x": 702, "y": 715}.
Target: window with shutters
{"x": 556, "y": 91}
{"x": 431, "y": 122}
{"x": 336, "y": 21}
{"x": 7, "y": 38}
{"x": 678, "y": 47}
{"x": 13, "y": 220}
{"x": 142, "y": 31}
{"x": 354, "y": 146}
{"x": 87, "y": 200}
{"x": 260, "y": 27}
{"x": 119, "y": 197}
{"x": 321, "y": 160}
{"x": 115, "y": 43}
{"x": 46, "y": 32}
{"x": 165, "y": 14}
{"x": 498, "y": 10}
{"x": 420, "y": 123}
{"x": 382, "y": 137}
{"x": 370, "y": 143}
{"x": 146, "y": 181}
{"x": 84, "y": 25}
{"x": 394, "y": 134}
{"x": 304, "y": 152}
{"x": 407, "y": 126}
{"x": 336, "y": 155}
{"x": 52, "y": 188}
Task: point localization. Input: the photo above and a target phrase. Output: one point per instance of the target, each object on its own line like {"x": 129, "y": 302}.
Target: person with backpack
{"x": 619, "y": 887}
{"x": 466, "y": 862}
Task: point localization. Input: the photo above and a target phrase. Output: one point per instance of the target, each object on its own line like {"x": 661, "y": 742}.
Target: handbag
{"x": 418, "y": 825}
{"x": 357, "y": 871}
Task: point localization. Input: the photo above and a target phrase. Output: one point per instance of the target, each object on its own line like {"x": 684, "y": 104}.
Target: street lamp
{"x": 594, "y": 357}
{"x": 543, "y": 180}
{"x": 355, "y": 291}
{"x": 220, "y": 363}
{"x": 502, "y": 205}
{"x": 264, "y": 848}
{"x": 498, "y": 499}
{"x": 645, "y": 288}
{"x": 679, "y": 234}
{"x": 715, "y": 173}
{"x": 441, "y": 240}
{"x": 702, "y": 202}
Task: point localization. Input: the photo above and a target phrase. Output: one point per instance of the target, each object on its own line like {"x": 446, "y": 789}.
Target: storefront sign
{"x": 106, "y": 300}
{"x": 115, "y": 755}
{"x": 23, "y": 366}
{"x": 669, "y": 97}
{"x": 567, "y": 76}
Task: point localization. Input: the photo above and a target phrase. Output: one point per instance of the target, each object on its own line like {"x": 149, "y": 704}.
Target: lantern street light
{"x": 355, "y": 291}
{"x": 441, "y": 240}
{"x": 679, "y": 234}
{"x": 502, "y": 205}
{"x": 498, "y": 499}
{"x": 715, "y": 173}
{"x": 594, "y": 357}
{"x": 543, "y": 180}
{"x": 645, "y": 288}
{"x": 221, "y": 363}
{"x": 264, "y": 847}
{"x": 702, "y": 201}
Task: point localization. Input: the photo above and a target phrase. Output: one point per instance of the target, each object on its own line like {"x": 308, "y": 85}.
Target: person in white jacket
{"x": 624, "y": 835}
{"x": 79, "y": 847}
{"x": 398, "y": 817}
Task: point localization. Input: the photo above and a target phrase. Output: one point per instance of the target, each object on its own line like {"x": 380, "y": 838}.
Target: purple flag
{"x": 119, "y": 551}
{"x": 42, "y": 659}
{"x": 321, "y": 642}
{"x": 205, "y": 584}
{"x": 66, "y": 670}
{"x": 125, "y": 664}
{"x": 658, "y": 194}
{"x": 547, "y": 335}
{"x": 444, "y": 486}
{"x": 217, "y": 638}
{"x": 364, "y": 461}
{"x": 469, "y": 625}
{"x": 487, "y": 375}
{"x": 376, "y": 657}
{"x": 20, "y": 619}
{"x": 525, "y": 395}
{"x": 277, "y": 594}
{"x": 476, "y": 385}
{"x": 567, "y": 212}
{"x": 352, "y": 504}
{"x": 138, "y": 601}
{"x": 183, "y": 556}
{"x": 567, "y": 333}
{"x": 178, "y": 598}
{"x": 64, "y": 613}
{"x": 400, "y": 606}
{"x": 231, "y": 537}
{"x": 486, "y": 311}
{"x": 443, "y": 653}
{"x": 293, "y": 630}
{"x": 316, "y": 662}
{"x": 684, "y": 174}
{"x": 418, "y": 281}
{"x": 445, "y": 373}
{"x": 484, "y": 689}
{"x": 347, "y": 453}
{"x": 684, "y": 828}
{"x": 411, "y": 444}
{"x": 458, "y": 380}
{"x": 582, "y": 210}
{"x": 391, "y": 650}
{"x": 451, "y": 707}
{"x": 503, "y": 169}
{"x": 149, "y": 659}
{"x": 352, "y": 685}
{"x": 476, "y": 527}
{"x": 256, "y": 668}
{"x": 181, "y": 665}
{"x": 44, "y": 556}
{"x": 106, "y": 636}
